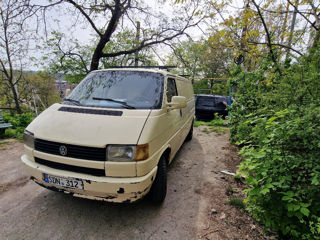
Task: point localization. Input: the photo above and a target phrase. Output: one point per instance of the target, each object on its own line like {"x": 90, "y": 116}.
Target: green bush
{"x": 276, "y": 120}
{"x": 10, "y": 133}
{"x": 19, "y": 123}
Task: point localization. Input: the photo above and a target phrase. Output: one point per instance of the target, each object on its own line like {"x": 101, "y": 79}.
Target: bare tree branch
{"x": 269, "y": 44}
{"x": 300, "y": 13}
{"x": 77, "y": 6}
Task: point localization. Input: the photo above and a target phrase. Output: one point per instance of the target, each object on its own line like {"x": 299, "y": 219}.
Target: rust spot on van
{"x": 121, "y": 190}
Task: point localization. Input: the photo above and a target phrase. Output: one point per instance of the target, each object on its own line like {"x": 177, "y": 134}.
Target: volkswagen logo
{"x": 63, "y": 150}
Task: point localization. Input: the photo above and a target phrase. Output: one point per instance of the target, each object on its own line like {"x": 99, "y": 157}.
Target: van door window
{"x": 171, "y": 89}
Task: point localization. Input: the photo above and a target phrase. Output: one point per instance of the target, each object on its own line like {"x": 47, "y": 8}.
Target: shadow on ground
{"x": 30, "y": 212}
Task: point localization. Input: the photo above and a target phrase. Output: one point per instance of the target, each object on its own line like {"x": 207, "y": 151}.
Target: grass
{"x": 237, "y": 203}
{"x": 206, "y": 130}
{"x": 217, "y": 121}
{"x": 229, "y": 190}
{"x": 4, "y": 143}
{"x": 217, "y": 129}
{"x": 214, "y": 122}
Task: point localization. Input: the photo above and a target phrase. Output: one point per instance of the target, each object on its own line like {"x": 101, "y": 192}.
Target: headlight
{"x": 121, "y": 153}
{"x": 126, "y": 153}
{"x": 28, "y": 138}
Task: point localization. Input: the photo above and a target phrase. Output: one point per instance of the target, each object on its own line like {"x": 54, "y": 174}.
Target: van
{"x": 113, "y": 137}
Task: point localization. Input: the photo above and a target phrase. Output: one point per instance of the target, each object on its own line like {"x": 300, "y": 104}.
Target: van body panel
{"x": 88, "y": 129}
{"x": 159, "y": 128}
{"x": 109, "y": 189}
{"x": 167, "y": 128}
{"x": 120, "y": 169}
{"x": 69, "y": 161}
{"x": 161, "y": 143}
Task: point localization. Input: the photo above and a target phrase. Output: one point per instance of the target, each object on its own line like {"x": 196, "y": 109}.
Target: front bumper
{"x": 110, "y": 189}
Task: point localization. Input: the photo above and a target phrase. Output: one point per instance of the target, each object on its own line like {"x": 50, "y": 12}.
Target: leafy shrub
{"x": 10, "y": 133}
{"x": 276, "y": 120}
{"x": 19, "y": 123}
{"x": 284, "y": 172}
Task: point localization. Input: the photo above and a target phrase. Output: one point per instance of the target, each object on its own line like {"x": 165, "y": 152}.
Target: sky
{"x": 58, "y": 19}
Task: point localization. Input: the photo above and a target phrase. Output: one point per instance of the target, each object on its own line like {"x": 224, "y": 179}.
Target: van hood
{"x": 94, "y": 127}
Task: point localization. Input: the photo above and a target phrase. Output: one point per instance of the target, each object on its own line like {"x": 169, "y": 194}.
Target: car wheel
{"x": 189, "y": 136}
{"x": 159, "y": 187}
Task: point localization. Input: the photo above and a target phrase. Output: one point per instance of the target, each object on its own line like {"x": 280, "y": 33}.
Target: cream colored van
{"x": 113, "y": 137}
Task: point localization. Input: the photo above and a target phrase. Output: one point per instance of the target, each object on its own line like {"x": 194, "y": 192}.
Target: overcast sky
{"x": 57, "y": 19}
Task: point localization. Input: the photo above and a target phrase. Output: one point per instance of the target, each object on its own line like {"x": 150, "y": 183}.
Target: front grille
{"x": 77, "y": 169}
{"x": 73, "y": 151}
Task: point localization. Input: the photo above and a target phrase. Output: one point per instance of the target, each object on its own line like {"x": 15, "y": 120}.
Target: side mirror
{"x": 177, "y": 102}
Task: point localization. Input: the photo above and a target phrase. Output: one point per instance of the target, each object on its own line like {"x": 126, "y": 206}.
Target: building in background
{"x": 62, "y": 86}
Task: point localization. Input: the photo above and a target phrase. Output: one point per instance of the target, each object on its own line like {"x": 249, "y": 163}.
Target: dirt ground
{"x": 196, "y": 206}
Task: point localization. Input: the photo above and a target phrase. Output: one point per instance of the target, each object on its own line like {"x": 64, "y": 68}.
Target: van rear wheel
{"x": 159, "y": 187}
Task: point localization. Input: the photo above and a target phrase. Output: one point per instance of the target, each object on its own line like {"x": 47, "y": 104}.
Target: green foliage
{"x": 44, "y": 86}
{"x": 209, "y": 86}
{"x": 220, "y": 88}
{"x": 217, "y": 121}
{"x": 73, "y": 65}
{"x": 187, "y": 57}
{"x": 204, "y": 59}
{"x": 201, "y": 86}
{"x": 276, "y": 120}
{"x": 19, "y": 123}
{"x": 124, "y": 41}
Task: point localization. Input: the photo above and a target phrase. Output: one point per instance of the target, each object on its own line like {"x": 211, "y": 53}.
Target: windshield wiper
{"x": 116, "y": 101}
{"x": 73, "y": 101}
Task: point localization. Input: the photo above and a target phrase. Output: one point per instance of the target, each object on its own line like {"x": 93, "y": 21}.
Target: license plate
{"x": 63, "y": 182}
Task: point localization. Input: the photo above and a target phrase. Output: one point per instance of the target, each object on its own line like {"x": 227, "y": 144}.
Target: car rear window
{"x": 210, "y": 101}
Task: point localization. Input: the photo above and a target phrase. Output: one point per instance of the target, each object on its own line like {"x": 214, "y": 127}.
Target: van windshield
{"x": 119, "y": 89}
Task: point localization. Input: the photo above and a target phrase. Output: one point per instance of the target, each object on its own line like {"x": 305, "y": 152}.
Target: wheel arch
{"x": 166, "y": 152}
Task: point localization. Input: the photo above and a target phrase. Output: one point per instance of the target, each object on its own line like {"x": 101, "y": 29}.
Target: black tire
{"x": 158, "y": 190}
{"x": 190, "y": 134}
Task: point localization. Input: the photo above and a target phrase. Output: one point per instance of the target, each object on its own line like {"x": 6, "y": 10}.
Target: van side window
{"x": 171, "y": 89}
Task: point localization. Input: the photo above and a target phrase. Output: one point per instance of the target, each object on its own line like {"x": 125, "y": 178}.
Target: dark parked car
{"x": 207, "y": 105}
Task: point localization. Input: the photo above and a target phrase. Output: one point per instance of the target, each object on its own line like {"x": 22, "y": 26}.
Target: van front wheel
{"x": 159, "y": 187}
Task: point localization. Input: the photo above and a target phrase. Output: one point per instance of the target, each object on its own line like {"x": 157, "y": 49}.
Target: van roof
{"x": 154, "y": 70}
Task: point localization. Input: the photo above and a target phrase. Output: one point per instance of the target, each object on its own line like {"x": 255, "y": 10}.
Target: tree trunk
{"x": 293, "y": 22}
{"x": 105, "y": 38}
{"x": 15, "y": 98}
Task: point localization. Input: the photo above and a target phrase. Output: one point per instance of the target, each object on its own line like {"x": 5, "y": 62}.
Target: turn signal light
{"x": 142, "y": 152}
